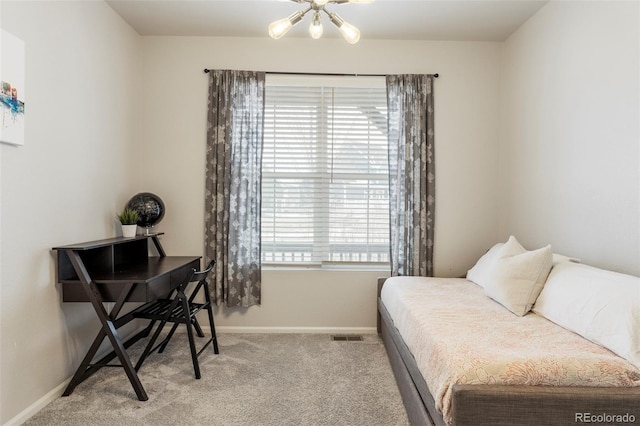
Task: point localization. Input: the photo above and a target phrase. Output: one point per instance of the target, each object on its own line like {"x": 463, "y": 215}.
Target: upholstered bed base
{"x": 416, "y": 397}
{"x": 501, "y": 405}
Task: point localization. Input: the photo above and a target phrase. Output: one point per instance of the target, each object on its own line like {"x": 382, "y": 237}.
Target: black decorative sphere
{"x": 150, "y": 208}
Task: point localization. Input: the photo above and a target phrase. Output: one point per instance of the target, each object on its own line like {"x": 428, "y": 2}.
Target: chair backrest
{"x": 202, "y": 275}
{"x": 196, "y": 276}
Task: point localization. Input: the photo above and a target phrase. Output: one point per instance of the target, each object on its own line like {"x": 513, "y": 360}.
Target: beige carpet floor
{"x": 257, "y": 379}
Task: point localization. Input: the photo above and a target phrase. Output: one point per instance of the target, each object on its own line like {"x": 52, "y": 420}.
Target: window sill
{"x": 333, "y": 268}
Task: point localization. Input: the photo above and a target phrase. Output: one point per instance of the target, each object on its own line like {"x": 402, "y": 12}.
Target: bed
{"x": 463, "y": 358}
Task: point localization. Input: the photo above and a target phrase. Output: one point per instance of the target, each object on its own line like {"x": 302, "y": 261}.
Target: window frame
{"x": 321, "y": 226}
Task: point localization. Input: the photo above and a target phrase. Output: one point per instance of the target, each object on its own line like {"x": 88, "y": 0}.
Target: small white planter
{"x": 129, "y": 230}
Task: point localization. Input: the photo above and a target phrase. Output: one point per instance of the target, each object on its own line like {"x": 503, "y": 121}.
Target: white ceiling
{"x": 477, "y": 20}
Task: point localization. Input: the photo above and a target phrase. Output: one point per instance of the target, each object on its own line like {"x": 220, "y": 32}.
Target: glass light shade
{"x": 349, "y": 32}
{"x": 280, "y": 27}
{"x": 320, "y": 2}
{"x": 315, "y": 29}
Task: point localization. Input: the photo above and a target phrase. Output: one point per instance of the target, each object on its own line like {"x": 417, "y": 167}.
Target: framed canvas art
{"x": 12, "y": 85}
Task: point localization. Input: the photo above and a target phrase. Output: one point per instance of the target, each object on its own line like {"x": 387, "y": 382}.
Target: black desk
{"x": 117, "y": 270}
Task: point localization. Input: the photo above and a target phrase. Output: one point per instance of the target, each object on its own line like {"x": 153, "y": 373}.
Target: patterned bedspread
{"x": 460, "y": 336}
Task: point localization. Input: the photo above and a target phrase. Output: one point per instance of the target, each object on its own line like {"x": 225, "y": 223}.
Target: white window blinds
{"x": 324, "y": 171}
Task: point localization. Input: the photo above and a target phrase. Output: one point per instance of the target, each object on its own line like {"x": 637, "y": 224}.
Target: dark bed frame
{"x": 503, "y": 405}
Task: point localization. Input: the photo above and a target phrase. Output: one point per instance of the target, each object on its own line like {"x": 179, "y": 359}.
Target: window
{"x": 324, "y": 170}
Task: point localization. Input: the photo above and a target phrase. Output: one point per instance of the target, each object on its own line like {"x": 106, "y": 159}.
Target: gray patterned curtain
{"x": 411, "y": 174}
{"x": 233, "y": 175}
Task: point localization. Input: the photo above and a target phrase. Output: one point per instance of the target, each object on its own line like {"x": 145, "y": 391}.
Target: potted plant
{"x": 129, "y": 220}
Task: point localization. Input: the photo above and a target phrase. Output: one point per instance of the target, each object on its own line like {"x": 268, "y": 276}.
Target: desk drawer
{"x": 156, "y": 289}
{"x": 160, "y": 287}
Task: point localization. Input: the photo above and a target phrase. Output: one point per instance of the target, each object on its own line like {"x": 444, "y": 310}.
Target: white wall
{"x": 174, "y": 96}
{"x": 569, "y": 151}
{"x": 64, "y": 185}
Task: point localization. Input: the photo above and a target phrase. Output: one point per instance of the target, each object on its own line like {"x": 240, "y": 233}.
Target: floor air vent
{"x": 346, "y": 338}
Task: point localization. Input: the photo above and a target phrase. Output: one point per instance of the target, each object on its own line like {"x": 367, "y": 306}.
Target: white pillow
{"x": 517, "y": 277}
{"x": 601, "y": 306}
{"x": 479, "y": 273}
{"x": 558, "y": 258}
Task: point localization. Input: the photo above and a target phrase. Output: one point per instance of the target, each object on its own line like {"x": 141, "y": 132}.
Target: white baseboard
{"x": 32, "y": 409}
{"x": 55, "y": 393}
{"x": 299, "y": 330}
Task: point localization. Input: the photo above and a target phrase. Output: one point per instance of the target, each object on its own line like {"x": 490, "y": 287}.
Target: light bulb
{"x": 280, "y": 27}
{"x": 349, "y": 32}
{"x": 315, "y": 29}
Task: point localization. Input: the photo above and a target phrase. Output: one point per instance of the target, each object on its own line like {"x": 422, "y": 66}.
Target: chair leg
{"x": 169, "y": 336}
{"x": 209, "y": 308}
{"x": 147, "y": 330}
{"x": 192, "y": 343}
{"x": 147, "y": 350}
{"x": 196, "y": 326}
{"x": 213, "y": 332}
{"x": 194, "y": 320}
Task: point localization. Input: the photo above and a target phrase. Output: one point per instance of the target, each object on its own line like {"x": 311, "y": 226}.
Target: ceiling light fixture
{"x": 280, "y": 27}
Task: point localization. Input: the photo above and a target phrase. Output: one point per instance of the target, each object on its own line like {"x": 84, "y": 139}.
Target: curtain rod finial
{"x": 206, "y": 71}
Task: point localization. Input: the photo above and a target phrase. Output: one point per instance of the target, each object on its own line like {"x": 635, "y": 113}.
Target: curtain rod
{"x": 436, "y": 75}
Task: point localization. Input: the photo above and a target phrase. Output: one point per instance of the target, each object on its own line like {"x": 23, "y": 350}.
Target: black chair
{"x": 180, "y": 309}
